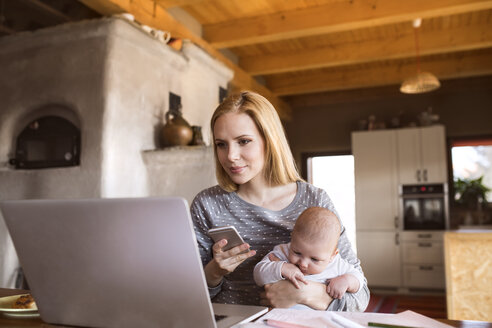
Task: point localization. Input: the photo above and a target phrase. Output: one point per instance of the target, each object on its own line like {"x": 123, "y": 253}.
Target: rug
{"x": 433, "y": 306}
{"x": 382, "y": 304}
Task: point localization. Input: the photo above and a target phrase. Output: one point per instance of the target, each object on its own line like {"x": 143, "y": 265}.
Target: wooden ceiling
{"x": 29, "y": 15}
{"x": 298, "y": 47}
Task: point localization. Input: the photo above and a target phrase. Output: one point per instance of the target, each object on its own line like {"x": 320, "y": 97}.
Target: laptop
{"x": 130, "y": 262}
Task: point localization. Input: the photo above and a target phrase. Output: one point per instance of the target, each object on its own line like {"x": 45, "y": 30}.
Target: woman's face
{"x": 240, "y": 147}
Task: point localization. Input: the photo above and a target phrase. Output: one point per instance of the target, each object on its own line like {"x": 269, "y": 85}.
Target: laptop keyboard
{"x": 219, "y": 317}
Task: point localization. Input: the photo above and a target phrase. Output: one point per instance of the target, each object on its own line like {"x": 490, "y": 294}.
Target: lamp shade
{"x": 420, "y": 83}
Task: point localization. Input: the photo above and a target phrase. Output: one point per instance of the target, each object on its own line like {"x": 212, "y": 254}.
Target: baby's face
{"x": 311, "y": 257}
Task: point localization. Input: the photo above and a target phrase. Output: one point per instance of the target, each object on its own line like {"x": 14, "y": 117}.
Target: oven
{"x": 424, "y": 207}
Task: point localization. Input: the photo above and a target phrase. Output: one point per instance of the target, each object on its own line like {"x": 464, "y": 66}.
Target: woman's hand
{"x": 283, "y": 294}
{"x": 225, "y": 262}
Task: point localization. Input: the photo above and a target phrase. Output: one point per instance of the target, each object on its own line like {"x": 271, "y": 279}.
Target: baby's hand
{"x": 292, "y": 273}
{"x": 337, "y": 286}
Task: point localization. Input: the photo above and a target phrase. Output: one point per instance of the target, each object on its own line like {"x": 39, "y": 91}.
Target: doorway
{"x": 335, "y": 174}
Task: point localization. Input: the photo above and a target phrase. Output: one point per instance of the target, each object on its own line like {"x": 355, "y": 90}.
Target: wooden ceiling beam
{"x": 50, "y": 10}
{"x": 388, "y": 93}
{"x": 177, "y": 3}
{"x": 471, "y": 37}
{"x": 333, "y": 17}
{"x": 148, "y": 13}
{"x": 469, "y": 64}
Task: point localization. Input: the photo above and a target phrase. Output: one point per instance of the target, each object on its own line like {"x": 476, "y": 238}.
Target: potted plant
{"x": 472, "y": 195}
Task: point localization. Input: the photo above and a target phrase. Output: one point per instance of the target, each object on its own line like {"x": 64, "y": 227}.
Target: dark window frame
{"x": 450, "y": 141}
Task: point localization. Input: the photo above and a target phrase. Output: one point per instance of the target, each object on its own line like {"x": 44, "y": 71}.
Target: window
{"x": 335, "y": 174}
{"x": 472, "y": 159}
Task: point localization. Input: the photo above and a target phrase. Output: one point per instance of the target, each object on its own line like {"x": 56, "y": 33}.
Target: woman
{"x": 260, "y": 193}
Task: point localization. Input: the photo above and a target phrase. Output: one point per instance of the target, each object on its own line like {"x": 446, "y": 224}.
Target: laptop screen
{"x": 111, "y": 262}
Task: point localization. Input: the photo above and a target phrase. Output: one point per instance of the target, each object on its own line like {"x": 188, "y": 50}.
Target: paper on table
{"x": 344, "y": 322}
{"x": 310, "y": 318}
{"x": 422, "y": 320}
{"x": 406, "y": 318}
{"x": 316, "y": 319}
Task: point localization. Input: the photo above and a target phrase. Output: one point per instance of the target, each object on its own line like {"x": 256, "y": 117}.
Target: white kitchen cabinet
{"x": 422, "y": 259}
{"x": 384, "y": 159}
{"x": 424, "y": 276}
{"x": 423, "y": 252}
{"x": 421, "y": 155}
{"x": 376, "y": 181}
{"x": 379, "y": 253}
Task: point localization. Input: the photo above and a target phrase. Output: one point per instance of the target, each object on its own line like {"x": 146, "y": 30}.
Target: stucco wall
{"x": 141, "y": 73}
{"x": 200, "y": 173}
{"x": 50, "y": 73}
{"x": 112, "y": 80}
{"x": 206, "y": 76}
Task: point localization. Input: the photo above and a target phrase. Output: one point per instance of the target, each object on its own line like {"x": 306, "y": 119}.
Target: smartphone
{"x": 228, "y": 232}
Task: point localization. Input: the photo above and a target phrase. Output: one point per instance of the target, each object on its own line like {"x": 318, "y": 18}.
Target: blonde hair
{"x": 318, "y": 223}
{"x": 279, "y": 167}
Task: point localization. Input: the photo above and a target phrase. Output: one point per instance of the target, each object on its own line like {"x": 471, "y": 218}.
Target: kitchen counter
{"x": 475, "y": 227}
{"x": 468, "y": 259}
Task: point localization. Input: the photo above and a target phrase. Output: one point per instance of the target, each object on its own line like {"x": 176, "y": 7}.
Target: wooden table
{"x": 6, "y": 321}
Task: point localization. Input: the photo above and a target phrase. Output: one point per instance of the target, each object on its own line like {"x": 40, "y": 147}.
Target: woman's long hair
{"x": 279, "y": 167}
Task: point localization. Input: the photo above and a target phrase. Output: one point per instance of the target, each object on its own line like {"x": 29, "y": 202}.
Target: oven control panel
{"x": 426, "y": 189}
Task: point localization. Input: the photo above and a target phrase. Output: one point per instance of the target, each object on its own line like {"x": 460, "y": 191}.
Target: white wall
{"x": 47, "y": 73}
{"x": 140, "y": 73}
{"x": 200, "y": 173}
{"x": 112, "y": 80}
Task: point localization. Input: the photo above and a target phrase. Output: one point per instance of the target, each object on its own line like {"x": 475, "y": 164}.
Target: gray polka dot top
{"x": 262, "y": 229}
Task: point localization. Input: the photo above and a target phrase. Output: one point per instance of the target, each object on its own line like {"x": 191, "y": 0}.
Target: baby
{"x": 311, "y": 255}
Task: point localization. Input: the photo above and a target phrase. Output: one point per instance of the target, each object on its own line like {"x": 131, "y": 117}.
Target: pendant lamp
{"x": 423, "y": 81}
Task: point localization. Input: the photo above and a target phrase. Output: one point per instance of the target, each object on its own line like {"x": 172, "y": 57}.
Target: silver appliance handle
{"x": 418, "y": 175}
{"x": 425, "y": 174}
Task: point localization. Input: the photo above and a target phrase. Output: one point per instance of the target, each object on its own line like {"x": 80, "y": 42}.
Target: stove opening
{"x": 49, "y": 141}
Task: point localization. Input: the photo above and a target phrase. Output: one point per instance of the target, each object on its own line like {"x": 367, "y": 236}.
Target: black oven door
{"x": 424, "y": 213}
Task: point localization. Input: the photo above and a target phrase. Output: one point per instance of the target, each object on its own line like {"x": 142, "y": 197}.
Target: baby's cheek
{"x": 317, "y": 268}
{"x": 314, "y": 269}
